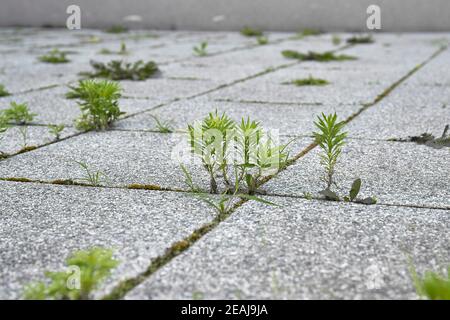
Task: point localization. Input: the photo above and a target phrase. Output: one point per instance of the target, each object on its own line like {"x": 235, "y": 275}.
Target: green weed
{"x": 363, "y": 39}
{"x": 200, "y": 50}
{"x": 310, "y": 81}
{"x": 117, "y": 29}
{"x": 119, "y": 70}
{"x": 18, "y": 113}
{"x": 54, "y": 56}
{"x": 432, "y": 285}
{"x": 251, "y": 32}
{"x": 262, "y": 40}
{"x": 316, "y": 56}
{"x": 163, "y": 126}
{"x": 3, "y": 91}
{"x": 92, "y": 178}
{"x": 56, "y": 130}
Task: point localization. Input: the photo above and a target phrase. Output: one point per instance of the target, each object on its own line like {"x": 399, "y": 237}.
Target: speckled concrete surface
{"x": 302, "y": 250}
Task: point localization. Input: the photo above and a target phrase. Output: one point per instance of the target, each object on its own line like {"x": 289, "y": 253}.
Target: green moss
{"x": 13, "y": 179}
{"x": 308, "y": 82}
{"x": 137, "y": 186}
{"x": 251, "y": 32}
{"x": 3, "y": 91}
{"x": 27, "y": 149}
{"x": 364, "y": 39}
{"x": 316, "y": 56}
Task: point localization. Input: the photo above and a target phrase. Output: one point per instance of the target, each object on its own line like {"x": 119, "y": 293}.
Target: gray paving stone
{"x": 125, "y": 157}
{"x": 307, "y": 250}
{"x": 49, "y": 222}
{"x": 289, "y": 119}
{"x": 394, "y": 172}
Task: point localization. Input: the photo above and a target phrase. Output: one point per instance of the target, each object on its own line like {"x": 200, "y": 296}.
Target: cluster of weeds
{"x": 98, "y": 101}
{"x": 239, "y": 154}
{"x": 18, "y": 113}
{"x": 310, "y": 81}
{"x": 432, "y": 285}
{"x": 262, "y": 40}
{"x": 54, "y": 56}
{"x": 117, "y": 29}
{"x": 163, "y": 126}
{"x": 331, "y": 138}
{"x": 200, "y": 50}
{"x": 56, "y": 130}
{"x": 86, "y": 270}
{"x": 120, "y": 70}
{"x": 363, "y": 39}
{"x": 316, "y": 56}
{"x": 92, "y": 178}
{"x": 307, "y": 32}
{"x": 3, "y": 91}
{"x": 251, "y": 32}
{"x": 430, "y": 140}
{"x": 122, "y": 51}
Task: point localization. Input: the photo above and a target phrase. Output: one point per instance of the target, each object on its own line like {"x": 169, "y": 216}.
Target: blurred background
{"x": 275, "y": 15}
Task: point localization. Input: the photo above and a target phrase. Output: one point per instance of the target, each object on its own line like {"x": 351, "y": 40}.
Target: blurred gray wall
{"x": 277, "y": 15}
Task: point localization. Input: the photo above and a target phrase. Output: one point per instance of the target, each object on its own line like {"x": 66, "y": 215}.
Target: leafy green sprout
{"x": 308, "y": 33}
{"x": 262, "y": 40}
{"x": 23, "y": 130}
{"x": 54, "y": 56}
{"x": 200, "y": 50}
{"x": 316, "y": 56}
{"x": 98, "y": 101}
{"x": 3, "y": 91}
{"x": 92, "y": 178}
{"x": 18, "y": 113}
{"x": 56, "y": 130}
{"x": 310, "y": 81}
{"x": 363, "y": 39}
{"x": 331, "y": 139}
{"x": 163, "y": 126}
{"x": 86, "y": 270}
{"x": 431, "y": 285}
{"x": 119, "y": 70}
{"x": 122, "y": 51}
{"x": 251, "y": 32}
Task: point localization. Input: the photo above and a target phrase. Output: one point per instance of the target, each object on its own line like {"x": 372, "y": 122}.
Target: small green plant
{"x": 54, "y": 56}
{"x": 363, "y": 39}
{"x": 432, "y": 285}
{"x": 98, "y": 103}
{"x": 56, "y": 130}
{"x": 3, "y": 91}
{"x": 122, "y": 51}
{"x": 119, "y": 70}
{"x": 262, "y": 40}
{"x": 308, "y": 32}
{"x": 353, "y": 194}
{"x": 117, "y": 29}
{"x": 336, "y": 40}
{"x": 91, "y": 178}
{"x": 251, "y": 32}
{"x": 163, "y": 126}
{"x": 23, "y": 130}
{"x": 3, "y": 128}
{"x": 200, "y": 50}
{"x": 18, "y": 113}
{"x": 310, "y": 81}
{"x": 86, "y": 270}
{"x": 316, "y": 56}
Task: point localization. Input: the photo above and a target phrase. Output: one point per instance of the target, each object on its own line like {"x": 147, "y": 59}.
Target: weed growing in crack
{"x": 310, "y": 81}
{"x": 251, "y": 32}
{"x": 331, "y": 139}
{"x": 316, "y": 56}
{"x": 24, "y": 134}
{"x": 432, "y": 285}
{"x": 98, "y": 103}
{"x": 362, "y": 39}
{"x": 86, "y": 270}
{"x": 262, "y": 40}
{"x": 307, "y": 33}
{"x": 336, "y": 40}
{"x": 3, "y": 91}
{"x": 116, "y": 29}
{"x": 430, "y": 140}
{"x": 200, "y": 50}
{"x": 54, "y": 56}
{"x": 56, "y": 130}
{"x": 119, "y": 70}
{"x": 163, "y": 126}
{"x": 122, "y": 51}
{"x": 18, "y": 113}
{"x": 3, "y": 128}
{"x": 91, "y": 178}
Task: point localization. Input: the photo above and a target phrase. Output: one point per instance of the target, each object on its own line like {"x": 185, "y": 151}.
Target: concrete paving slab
{"x": 49, "y": 222}
{"x": 307, "y": 250}
{"x": 394, "y": 172}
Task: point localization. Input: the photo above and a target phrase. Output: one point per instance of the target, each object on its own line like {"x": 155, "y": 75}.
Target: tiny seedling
{"x": 86, "y": 270}
{"x": 316, "y": 56}
{"x": 200, "y": 50}
{"x": 336, "y": 40}
{"x": 251, "y": 32}
{"x": 3, "y": 128}
{"x": 18, "y": 113}
{"x": 98, "y": 103}
{"x": 56, "y": 130}
{"x": 363, "y": 39}
{"x": 310, "y": 81}
{"x": 24, "y": 134}
{"x": 91, "y": 178}
{"x": 432, "y": 285}
{"x": 330, "y": 138}
{"x": 119, "y": 70}
{"x": 353, "y": 194}
{"x": 54, "y": 56}
{"x": 116, "y": 29}
{"x": 3, "y": 91}
{"x": 122, "y": 51}
{"x": 163, "y": 126}
{"x": 306, "y": 33}
{"x": 262, "y": 40}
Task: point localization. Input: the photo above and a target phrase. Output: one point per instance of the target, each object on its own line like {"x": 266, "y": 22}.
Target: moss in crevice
{"x": 137, "y": 186}
{"x": 316, "y": 56}
{"x": 310, "y": 81}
